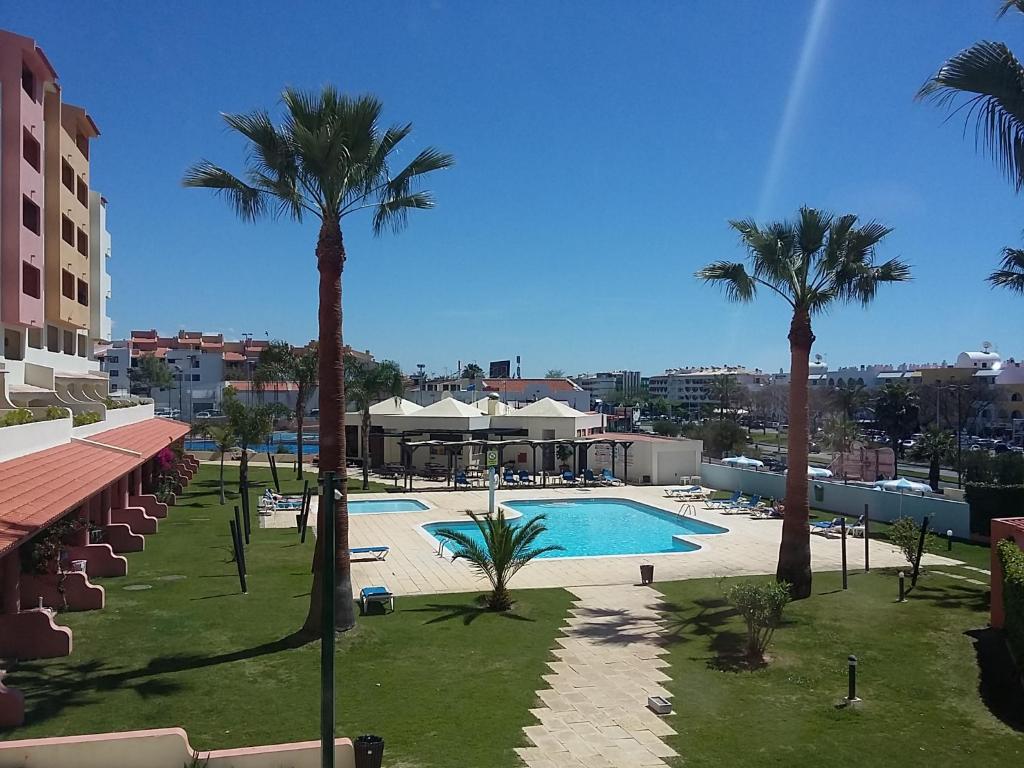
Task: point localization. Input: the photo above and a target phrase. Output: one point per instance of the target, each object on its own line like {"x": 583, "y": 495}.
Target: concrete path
{"x": 609, "y": 661}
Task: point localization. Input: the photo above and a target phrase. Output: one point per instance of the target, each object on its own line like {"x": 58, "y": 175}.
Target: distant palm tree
{"x": 505, "y": 550}
{"x": 1011, "y": 273}
{"x": 812, "y": 263}
{"x": 849, "y": 398}
{"x": 251, "y": 425}
{"x": 896, "y": 413}
{"x": 366, "y": 386}
{"x": 935, "y": 446}
{"x": 223, "y": 438}
{"x": 328, "y": 159}
{"x": 280, "y": 362}
{"x": 472, "y": 371}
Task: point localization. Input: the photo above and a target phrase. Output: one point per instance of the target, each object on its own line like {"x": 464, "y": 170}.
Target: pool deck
{"x": 414, "y": 567}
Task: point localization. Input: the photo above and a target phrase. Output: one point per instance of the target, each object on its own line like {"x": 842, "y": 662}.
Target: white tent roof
{"x": 449, "y": 406}
{"x": 547, "y": 407}
{"x": 500, "y": 408}
{"x": 389, "y": 407}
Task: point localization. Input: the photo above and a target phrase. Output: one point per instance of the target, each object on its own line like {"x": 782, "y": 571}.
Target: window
{"x": 114, "y": 373}
{"x": 113, "y": 387}
{"x": 30, "y": 215}
{"x": 30, "y": 280}
{"x": 83, "y": 144}
{"x": 195, "y": 362}
{"x": 67, "y": 284}
{"x": 67, "y": 230}
{"x": 52, "y": 339}
{"x": 69, "y": 343}
{"x": 83, "y": 293}
{"x": 195, "y": 377}
{"x": 30, "y": 149}
{"x": 67, "y": 175}
{"x": 83, "y": 243}
{"x": 83, "y": 345}
{"x": 82, "y": 191}
{"x": 112, "y": 359}
{"x": 35, "y": 338}
{"x": 28, "y": 82}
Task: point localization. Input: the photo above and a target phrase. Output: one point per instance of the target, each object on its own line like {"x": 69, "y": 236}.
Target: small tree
{"x": 554, "y": 373}
{"x": 935, "y": 446}
{"x": 251, "y": 425}
{"x": 472, "y": 371}
{"x": 365, "y": 385}
{"x": 761, "y": 605}
{"x": 666, "y": 428}
{"x": 564, "y": 453}
{"x": 721, "y": 437}
{"x": 151, "y": 373}
{"x": 223, "y": 438}
{"x": 281, "y": 362}
{"x": 904, "y": 534}
{"x": 504, "y": 551}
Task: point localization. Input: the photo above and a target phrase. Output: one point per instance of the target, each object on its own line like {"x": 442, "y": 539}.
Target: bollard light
{"x": 903, "y": 590}
{"x": 852, "y": 692}
{"x": 949, "y": 540}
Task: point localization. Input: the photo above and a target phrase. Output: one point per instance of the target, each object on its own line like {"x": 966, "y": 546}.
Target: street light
{"x": 177, "y": 368}
{"x": 959, "y": 389}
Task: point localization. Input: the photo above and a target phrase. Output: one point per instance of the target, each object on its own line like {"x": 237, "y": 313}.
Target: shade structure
{"x": 903, "y": 485}
{"x": 813, "y": 472}
{"x": 742, "y": 461}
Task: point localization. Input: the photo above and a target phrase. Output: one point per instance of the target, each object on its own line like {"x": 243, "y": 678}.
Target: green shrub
{"x": 281, "y": 449}
{"x": 761, "y": 605}
{"x": 666, "y": 428}
{"x": 113, "y": 404}
{"x": 905, "y": 534}
{"x": 988, "y": 501}
{"x": 54, "y": 412}
{"x": 1012, "y": 559}
{"x": 90, "y": 417}
{"x": 16, "y": 417}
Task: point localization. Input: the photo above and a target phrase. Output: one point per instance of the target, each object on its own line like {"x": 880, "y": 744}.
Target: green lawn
{"x": 437, "y": 678}
{"x": 918, "y": 676}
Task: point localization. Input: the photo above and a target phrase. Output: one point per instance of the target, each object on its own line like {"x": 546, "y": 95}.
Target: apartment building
{"x": 604, "y": 384}
{"x": 693, "y": 386}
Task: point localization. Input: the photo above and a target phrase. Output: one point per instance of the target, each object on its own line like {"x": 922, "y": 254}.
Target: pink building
{"x": 25, "y": 74}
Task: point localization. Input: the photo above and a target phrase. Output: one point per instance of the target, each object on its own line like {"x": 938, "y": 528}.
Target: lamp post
{"x": 959, "y": 389}
{"x": 191, "y": 401}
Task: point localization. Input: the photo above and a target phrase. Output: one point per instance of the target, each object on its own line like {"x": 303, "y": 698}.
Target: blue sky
{"x": 601, "y": 149}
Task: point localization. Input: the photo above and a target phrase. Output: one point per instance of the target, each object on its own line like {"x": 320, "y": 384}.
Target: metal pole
{"x": 842, "y": 531}
{"x": 241, "y": 547}
{"x": 491, "y": 482}
{"x": 852, "y": 692}
{"x": 959, "y": 441}
{"x": 867, "y": 539}
{"x": 327, "y": 628}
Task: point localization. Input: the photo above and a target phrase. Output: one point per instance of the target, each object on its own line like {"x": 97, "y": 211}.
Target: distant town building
{"x": 517, "y": 392}
{"x": 604, "y": 385}
{"x": 693, "y": 387}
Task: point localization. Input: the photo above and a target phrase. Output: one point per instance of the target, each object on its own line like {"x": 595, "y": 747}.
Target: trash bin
{"x": 646, "y": 574}
{"x": 79, "y": 565}
{"x": 369, "y": 751}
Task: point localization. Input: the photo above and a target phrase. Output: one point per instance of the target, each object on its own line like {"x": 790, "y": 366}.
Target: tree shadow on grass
{"x": 999, "y": 682}
{"x": 465, "y": 611}
{"x": 955, "y": 595}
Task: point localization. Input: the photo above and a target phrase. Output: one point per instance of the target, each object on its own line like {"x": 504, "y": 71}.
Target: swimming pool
{"x": 594, "y": 527}
{"x": 385, "y": 505}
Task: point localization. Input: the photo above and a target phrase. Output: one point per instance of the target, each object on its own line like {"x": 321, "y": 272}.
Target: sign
{"x": 492, "y": 459}
{"x": 499, "y": 369}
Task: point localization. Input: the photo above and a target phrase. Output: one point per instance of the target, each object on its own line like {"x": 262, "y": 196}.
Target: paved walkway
{"x": 609, "y": 661}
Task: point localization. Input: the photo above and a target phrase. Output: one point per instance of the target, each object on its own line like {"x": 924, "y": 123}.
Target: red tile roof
{"x": 39, "y": 488}
{"x": 520, "y": 385}
{"x": 270, "y": 386}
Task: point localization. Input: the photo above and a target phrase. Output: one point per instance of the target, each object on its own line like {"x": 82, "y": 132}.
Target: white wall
{"x": 29, "y": 438}
{"x": 838, "y": 498}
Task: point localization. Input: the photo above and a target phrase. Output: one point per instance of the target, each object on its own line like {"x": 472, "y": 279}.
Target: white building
{"x": 604, "y": 384}
{"x": 693, "y": 386}
{"x": 99, "y": 270}
{"x": 515, "y": 392}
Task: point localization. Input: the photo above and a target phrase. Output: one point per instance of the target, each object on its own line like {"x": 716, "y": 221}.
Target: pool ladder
{"x": 688, "y": 509}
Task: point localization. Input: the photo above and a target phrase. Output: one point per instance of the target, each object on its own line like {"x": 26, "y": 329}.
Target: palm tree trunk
{"x": 795, "y": 549}
{"x": 933, "y": 472}
{"x": 223, "y": 500}
{"x": 365, "y": 436}
{"x": 330, "y": 256}
{"x": 300, "y": 407}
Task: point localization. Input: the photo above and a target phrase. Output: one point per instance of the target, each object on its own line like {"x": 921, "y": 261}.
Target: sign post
{"x": 492, "y": 478}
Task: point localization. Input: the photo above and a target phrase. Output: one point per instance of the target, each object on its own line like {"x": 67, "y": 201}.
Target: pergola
{"x": 506, "y": 438}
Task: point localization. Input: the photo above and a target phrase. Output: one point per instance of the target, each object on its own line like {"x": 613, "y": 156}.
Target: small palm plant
{"x": 504, "y": 551}
{"x": 223, "y": 438}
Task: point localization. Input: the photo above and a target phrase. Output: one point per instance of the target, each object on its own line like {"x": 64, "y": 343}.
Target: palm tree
{"x": 935, "y": 446}
{"x": 812, "y": 263}
{"x": 840, "y": 434}
{"x": 896, "y": 415}
{"x": 251, "y": 425}
{"x": 367, "y": 385}
{"x": 472, "y": 371}
{"x": 224, "y": 440}
{"x": 328, "y": 159}
{"x": 849, "y": 398}
{"x": 504, "y": 551}
{"x": 281, "y": 362}
{"x": 1011, "y": 273}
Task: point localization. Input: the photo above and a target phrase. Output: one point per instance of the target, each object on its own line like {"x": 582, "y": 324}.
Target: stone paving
{"x": 609, "y": 661}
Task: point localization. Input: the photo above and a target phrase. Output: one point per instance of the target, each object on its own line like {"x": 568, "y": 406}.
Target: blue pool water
{"x": 385, "y": 505}
{"x": 591, "y": 527}
{"x": 310, "y": 443}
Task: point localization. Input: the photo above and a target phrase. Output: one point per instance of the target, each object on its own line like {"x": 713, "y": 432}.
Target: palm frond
{"x": 1008, "y": 5}
{"x": 1011, "y": 272}
{"x": 247, "y": 201}
{"x": 732, "y": 277}
{"x": 394, "y": 213}
{"x": 993, "y": 74}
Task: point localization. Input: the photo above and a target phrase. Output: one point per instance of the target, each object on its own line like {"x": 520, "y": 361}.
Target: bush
{"x": 721, "y": 437}
{"x": 760, "y": 605}
{"x": 16, "y": 417}
{"x": 1008, "y": 469}
{"x": 89, "y": 417}
{"x": 282, "y": 449}
{"x": 988, "y": 500}
{"x": 113, "y": 404}
{"x": 905, "y": 534}
{"x": 1012, "y": 559}
{"x": 666, "y": 428}
{"x": 54, "y": 412}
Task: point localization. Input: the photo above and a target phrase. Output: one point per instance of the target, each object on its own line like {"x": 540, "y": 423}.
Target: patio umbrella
{"x": 902, "y": 485}
{"x": 742, "y": 461}
{"x": 815, "y": 472}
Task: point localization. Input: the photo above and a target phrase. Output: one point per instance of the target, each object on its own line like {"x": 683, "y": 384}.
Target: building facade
{"x": 695, "y": 387}
{"x": 605, "y": 384}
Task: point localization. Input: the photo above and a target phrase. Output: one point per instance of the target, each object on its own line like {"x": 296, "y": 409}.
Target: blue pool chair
{"x": 588, "y": 476}
{"x": 379, "y": 553}
{"x": 509, "y": 479}
{"x": 461, "y": 481}
{"x": 731, "y": 501}
{"x": 524, "y": 476}
{"x": 609, "y": 478}
{"x": 827, "y": 527}
{"x": 569, "y": 477}
{"x": 382, "y": 595}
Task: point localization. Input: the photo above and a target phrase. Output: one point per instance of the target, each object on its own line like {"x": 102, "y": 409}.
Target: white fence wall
{"x": 944, "y": 515}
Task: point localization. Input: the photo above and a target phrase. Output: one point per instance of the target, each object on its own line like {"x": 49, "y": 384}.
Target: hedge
{"x": 1012, "y": 559}
{"x": 988, "y": 501}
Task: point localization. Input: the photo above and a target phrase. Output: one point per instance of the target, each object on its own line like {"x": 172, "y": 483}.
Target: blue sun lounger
{"x": 379, "y": 553}
{"x": 368, "y": 595}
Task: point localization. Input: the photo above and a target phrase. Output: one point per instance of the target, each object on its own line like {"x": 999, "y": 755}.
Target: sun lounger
{"x": 461, "y": 481}
{"x": 368, "y": 595}
{"x": 524, "y": 476}
{"x": 827, "y": 527}
{"x": 857, "y": 529}
{"x": 509, "y": 479}
{"x": 589, "y": 477}
{"x": 609, "y": 478}
{"x": 725, "y": 503}
{"x": 378, "y": 553}
{"x": 743, "y": 507}
{"x": 568, "y": 477}
{"x": 771, "y": 513}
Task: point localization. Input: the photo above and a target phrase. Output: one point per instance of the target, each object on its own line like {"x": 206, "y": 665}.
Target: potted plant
{"x": 564, "y": 453}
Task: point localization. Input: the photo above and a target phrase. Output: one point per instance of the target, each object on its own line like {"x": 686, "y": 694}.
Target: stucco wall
{"x": 847, "y": 499}
{"x": 1002, "y": 528}
{"x": 29, "y": 438}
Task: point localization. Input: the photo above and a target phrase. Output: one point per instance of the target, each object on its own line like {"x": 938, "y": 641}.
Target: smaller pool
{"x": 384, "y": 505}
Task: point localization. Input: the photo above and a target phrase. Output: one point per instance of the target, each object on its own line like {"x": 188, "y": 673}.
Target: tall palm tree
{"x": 501, "y": 552}
{"x": 849, "y": 398}
{"x": 367, "y": 385}
{"x": 1011, "y": 272}
{"x": 328, "y": 159}
{"x": 935, "y": 446}
{"x": 280, "y": 362}
{"x": 224, "y": 440}
{"x": 896, "y": 413}
{"x": 812, "y": 263}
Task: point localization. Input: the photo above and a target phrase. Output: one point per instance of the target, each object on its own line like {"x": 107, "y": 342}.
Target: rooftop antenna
{"x": 986, "y": 346}
{"x": 518, "y": 375}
